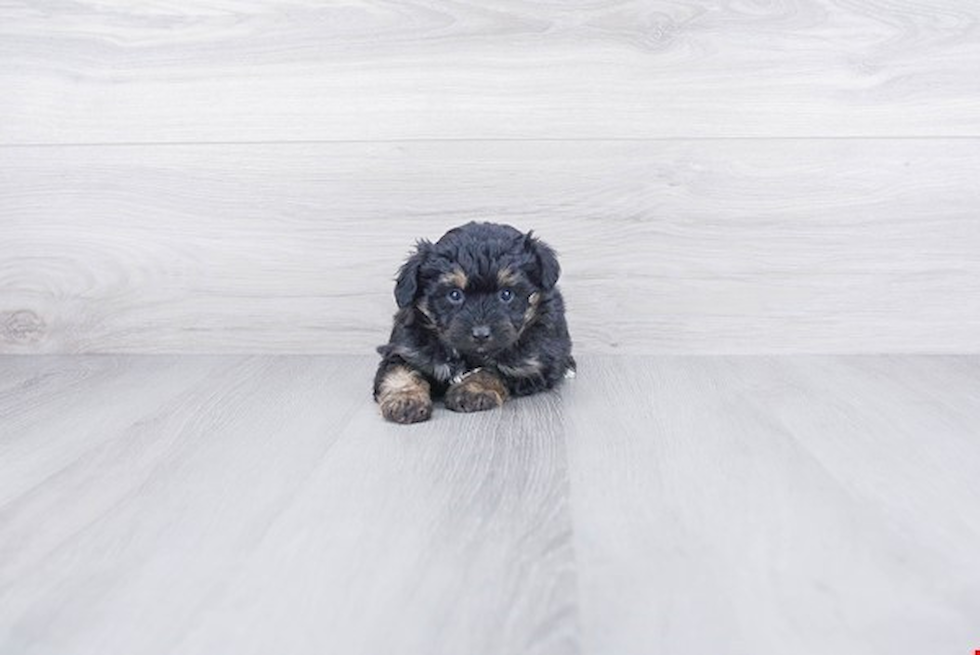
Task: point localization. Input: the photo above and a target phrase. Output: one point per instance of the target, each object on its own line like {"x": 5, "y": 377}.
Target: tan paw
{"x": 406, "y": 408}
{"x": 472, "y": 398}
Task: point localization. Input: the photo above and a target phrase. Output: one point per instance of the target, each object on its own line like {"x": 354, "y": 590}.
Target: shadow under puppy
{"x": 479, "y": 319}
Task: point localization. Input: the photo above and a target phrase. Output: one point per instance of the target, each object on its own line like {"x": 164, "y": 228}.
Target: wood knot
{"x": 21, "y": 326}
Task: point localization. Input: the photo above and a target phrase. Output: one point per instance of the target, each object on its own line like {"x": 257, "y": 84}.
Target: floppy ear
{"x": 548, "y": 269}
{"x": 407, "y": 284}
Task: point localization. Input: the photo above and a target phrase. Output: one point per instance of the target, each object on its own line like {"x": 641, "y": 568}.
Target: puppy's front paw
{"x": 480, "y": 391}
{"x": 469, "y": 400}
{"x": 406, "y": 408}
{"x": 403, "y": 395}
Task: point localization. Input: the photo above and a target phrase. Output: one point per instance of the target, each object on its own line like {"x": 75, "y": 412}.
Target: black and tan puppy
{"x": 479, "y": 319}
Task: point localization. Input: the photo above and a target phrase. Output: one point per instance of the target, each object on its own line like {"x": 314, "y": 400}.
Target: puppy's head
{"x": 479, "y": 287}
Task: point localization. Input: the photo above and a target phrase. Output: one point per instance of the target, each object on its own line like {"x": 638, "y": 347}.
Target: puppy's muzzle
{"x": 481, "y": 334}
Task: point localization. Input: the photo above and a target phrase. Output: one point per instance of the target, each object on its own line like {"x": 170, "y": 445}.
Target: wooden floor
{"x": 257, "y": 504}
{"x": 738, "y": 182}
{"x": 727, "y": 176}
{"x": 721, "y": 247}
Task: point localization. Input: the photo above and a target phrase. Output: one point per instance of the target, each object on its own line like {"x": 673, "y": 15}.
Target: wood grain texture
{"x": 771, "y": 505}
{"x": 719, "y": 246}
{"x": 250, "y": 505}
{"x": 219, "y": 70}
{"x": 731, "y": 505}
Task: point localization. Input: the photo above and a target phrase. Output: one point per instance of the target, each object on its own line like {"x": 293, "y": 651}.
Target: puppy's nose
{"x": 481, "y": 332}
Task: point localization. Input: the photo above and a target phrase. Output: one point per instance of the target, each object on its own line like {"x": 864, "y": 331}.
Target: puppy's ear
{"x": 407, "y": 284}
{"x": 547, "y": 267}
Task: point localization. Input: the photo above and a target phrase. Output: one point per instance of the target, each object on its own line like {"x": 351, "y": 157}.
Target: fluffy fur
{"x": 479, "y": 320}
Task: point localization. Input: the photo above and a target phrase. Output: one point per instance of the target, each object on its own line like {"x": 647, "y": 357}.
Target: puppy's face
{"x": 479, "y": 286}
{"x": 484, "y": 316}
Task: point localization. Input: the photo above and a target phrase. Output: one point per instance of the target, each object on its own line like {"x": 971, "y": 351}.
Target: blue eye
{"x": 455, "y": 296}
{"x": 506, "y": 295}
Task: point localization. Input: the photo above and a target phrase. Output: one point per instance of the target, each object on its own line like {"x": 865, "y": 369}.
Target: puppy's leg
{"x": 403, "y": 394}
{"x": 534, "y": 373}
{"x": 478, "y": 391}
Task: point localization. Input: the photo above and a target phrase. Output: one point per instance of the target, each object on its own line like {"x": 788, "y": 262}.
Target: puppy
{"x": 479, "y": 319}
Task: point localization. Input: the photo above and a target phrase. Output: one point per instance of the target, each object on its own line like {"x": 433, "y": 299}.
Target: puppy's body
{"x": 479, "y": 319}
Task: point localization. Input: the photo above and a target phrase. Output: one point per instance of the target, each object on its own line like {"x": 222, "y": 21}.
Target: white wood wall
{"x": 729, "y": 176}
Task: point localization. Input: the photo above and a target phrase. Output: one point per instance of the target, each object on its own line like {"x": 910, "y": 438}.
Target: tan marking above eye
{"x": 456, "y": 278}
{"x": 508, "y": 277}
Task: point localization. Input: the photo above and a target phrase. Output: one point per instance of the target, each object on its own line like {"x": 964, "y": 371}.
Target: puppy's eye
{"x": 455, "y": 296}
{"x": 506, "y": 295}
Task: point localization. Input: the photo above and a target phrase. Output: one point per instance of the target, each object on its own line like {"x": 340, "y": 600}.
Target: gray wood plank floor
{"x": 733, "y": 505}
{"x": 725, "y": 176}
{"x": 721, "y": 246}
{"x": 203, "y": 70}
